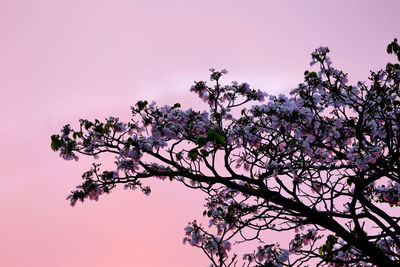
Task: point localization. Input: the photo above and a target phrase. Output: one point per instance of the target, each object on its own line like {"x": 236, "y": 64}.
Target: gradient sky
{"x": 65, "y": 60}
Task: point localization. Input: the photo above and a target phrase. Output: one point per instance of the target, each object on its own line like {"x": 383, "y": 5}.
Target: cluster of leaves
{"x": 322, "y": 163}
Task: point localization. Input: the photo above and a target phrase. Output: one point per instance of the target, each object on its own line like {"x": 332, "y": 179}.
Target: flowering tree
{"x": 323, "y": 164}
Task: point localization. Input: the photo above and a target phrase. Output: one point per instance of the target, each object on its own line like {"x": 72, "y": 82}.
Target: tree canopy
{"x": 322, "y": 163}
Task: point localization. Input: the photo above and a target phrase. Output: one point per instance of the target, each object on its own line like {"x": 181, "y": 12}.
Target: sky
{"x": 65, "y": 60}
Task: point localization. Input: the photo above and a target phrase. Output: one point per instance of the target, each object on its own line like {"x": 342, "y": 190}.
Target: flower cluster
{"x": 213, "y": 245}
{"x": 389, "y": 194}
{"x": 268, "y": 255}
{"x": 303, "y": 239}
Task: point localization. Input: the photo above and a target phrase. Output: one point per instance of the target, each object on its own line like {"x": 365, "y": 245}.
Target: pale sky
{"x": 65, "y": 60}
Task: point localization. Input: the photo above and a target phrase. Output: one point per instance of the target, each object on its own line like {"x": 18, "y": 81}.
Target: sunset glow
{"x": 65, "y": 60}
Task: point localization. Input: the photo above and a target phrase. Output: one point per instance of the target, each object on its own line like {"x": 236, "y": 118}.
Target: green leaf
{"x": 56, "y": 142}
{"x": 106, "y": 128}
{"x": 330, "y": 242}
{"x": 200, "y": 141}
{"x": 204, "y": 152}
{"x": 321, "y": 250}
{"x": 220, "y": 139}
{"x": 177, "y": 105}
{"x": 141, "y": 104}
{"x": 389, "y": 49}
{"x": 54, "y": 146}
{"x": 313, "y": 74}
{"x": 88, "y": 124}
{"x": 213, "y": 135}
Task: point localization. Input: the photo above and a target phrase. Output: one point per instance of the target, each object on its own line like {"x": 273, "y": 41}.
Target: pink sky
{"x": 65, "y": 60}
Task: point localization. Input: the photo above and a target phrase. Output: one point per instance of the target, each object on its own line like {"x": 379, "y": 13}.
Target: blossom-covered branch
{"x": 322, "y": 164}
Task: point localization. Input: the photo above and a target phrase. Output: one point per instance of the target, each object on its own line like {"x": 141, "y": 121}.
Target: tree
{"x": 323, "y": 163}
